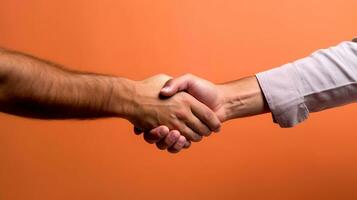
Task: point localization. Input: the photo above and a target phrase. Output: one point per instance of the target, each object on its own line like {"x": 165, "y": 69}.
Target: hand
{"x": 203, "y": 90}
{"x": 172, "y": 140}
{"x": 182, "y": 112}
{"x": 231, "y": 100}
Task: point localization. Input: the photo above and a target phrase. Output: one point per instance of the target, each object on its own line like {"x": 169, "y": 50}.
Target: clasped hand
{"x": 173, "y": 112}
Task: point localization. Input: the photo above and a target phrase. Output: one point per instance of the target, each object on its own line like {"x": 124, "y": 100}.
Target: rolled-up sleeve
{"x": 327, "y": 78}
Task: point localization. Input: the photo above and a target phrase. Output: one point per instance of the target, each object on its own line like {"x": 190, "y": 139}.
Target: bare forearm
{"x": 36, "y": 88}
{"x": 242, "y": 98}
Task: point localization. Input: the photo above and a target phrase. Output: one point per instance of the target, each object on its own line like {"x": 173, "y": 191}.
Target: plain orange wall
{"x": 219, "y": 40}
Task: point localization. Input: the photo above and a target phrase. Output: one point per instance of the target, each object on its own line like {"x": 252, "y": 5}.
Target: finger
{"x": 206, "y": 115}
{"x": 169, "y": 140}
{"x": 189, "y": 134}
{"x": 177, "y": 147}
{"x": 138, "y": 131}
{"x": 197, "y": 126}
{"x": 187, "y": 144}
{"x": 156, "y": 134}
{"x": 175, "y": 85}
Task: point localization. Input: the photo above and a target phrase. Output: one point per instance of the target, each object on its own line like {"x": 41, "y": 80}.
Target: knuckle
{"x": 181, "y": 141}
{"x": 172, "y": 138}
{"x": 163, "y": 130}
{"x": 208, "y": 115}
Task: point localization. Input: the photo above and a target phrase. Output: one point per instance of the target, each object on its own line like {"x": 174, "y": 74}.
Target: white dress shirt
{"x": 325, "y": 79}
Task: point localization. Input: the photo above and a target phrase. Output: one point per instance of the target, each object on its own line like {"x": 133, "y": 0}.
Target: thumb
{"x": 175, "y": 85}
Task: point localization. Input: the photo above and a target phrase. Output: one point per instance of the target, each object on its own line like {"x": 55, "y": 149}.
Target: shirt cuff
{"x": 280, "y": 87}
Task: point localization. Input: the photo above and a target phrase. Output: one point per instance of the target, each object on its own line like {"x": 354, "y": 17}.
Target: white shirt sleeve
{"x": 327, "y": 78}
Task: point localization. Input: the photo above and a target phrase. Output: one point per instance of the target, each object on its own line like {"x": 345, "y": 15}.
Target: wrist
{"x": 241, "y": 98}
{"x": 122, "y": 102}
{"x": 228, "y": 98}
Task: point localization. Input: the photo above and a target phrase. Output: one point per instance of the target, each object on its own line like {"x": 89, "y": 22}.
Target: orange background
{"x": 220, "y": 40}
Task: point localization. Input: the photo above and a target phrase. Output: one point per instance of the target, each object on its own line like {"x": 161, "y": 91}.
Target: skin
{"x": 181, "y": 113}
{"x": 236, "y": 99}
{"x": 32, "y": 87}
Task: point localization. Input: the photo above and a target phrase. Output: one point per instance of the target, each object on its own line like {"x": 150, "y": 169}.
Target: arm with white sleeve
{"x": 325, "y": 79}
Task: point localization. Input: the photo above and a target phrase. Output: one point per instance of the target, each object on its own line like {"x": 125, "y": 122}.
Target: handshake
{"x": 172, "y": 113}
{"x": 175, "y": 112}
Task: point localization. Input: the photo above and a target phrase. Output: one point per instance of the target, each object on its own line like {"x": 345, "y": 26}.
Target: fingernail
{"x": 166, "y": 89}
